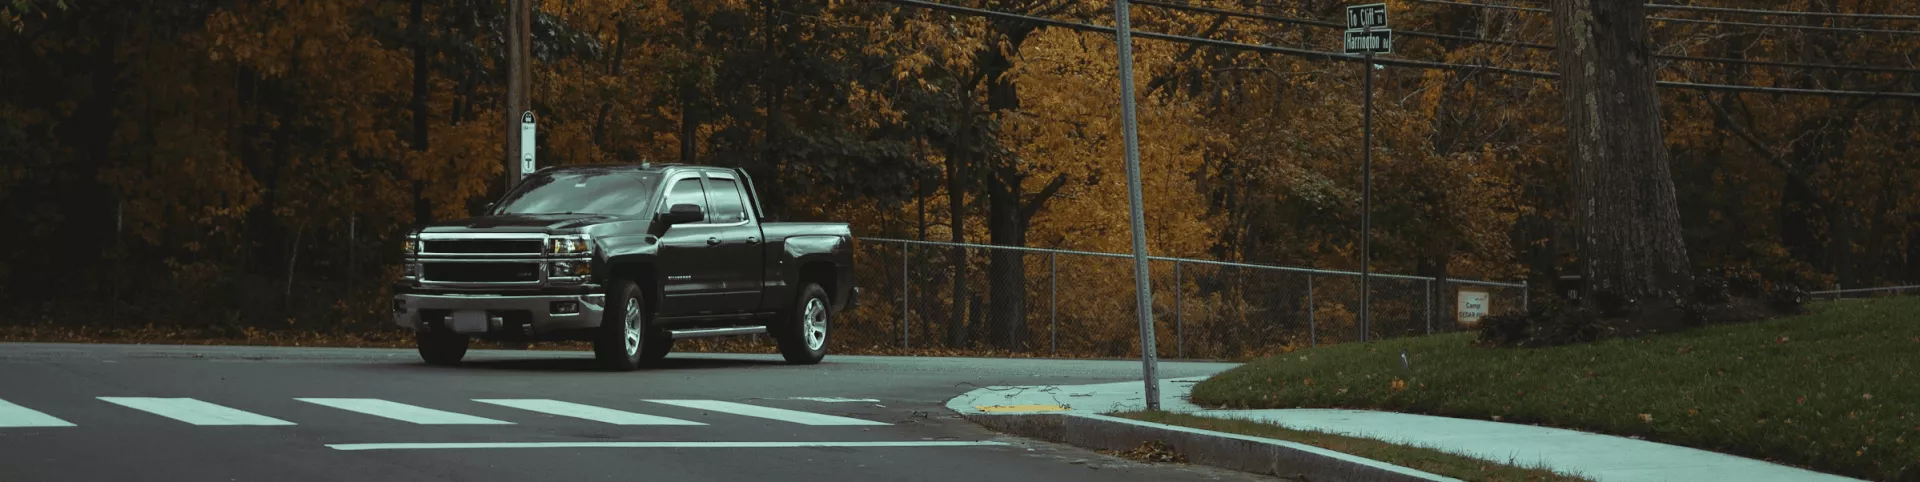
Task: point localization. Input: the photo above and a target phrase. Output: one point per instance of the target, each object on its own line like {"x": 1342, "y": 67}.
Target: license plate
{"x": 469, "y": 321}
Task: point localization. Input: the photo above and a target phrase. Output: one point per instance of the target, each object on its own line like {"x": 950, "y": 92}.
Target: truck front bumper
{"x": 503, "y": 314}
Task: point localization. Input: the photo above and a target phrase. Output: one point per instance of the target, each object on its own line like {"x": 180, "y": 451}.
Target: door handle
{"x": 752, "y": 240}
{"x": 713, "y": 241}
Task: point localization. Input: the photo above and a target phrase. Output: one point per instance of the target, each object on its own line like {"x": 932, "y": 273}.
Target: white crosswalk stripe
{"x": 198, "y": 412}
{"x": 12, "y": 415}
{"x": 402, "y": 412}
{"x": 194, "y": 411}
{"x": 589, "y": 412}
{"x": 794, "y": 416}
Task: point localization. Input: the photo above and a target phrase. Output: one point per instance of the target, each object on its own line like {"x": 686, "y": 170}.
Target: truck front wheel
{"x": 802, "y": 335}
{"x": 618, "y": 344}
{"x": 441, "y": 348}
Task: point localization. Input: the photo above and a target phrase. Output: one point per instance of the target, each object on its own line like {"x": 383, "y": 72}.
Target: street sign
{"x": 1373, "y": 42}
{"x": 526, "y": 144}
{"x": 1367, "y": 31}
{"x": 1365, "y": 17}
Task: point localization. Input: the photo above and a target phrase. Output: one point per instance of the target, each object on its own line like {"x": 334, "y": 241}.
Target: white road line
{"x": 803, "y": 418}
{"x": 656, "y": 445}
{"x": 589, "y": 412}
{"x": 193, "y": 411}
{"x": 17, "y": 416}
{"x": 833, "y": 399}
{"x": 402, "y": 412}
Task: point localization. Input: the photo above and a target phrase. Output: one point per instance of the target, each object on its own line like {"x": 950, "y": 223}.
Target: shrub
{"x": 1505, "y": 330}
{"x": 1787, "y": 299}
{"x": 1575, "y": 324}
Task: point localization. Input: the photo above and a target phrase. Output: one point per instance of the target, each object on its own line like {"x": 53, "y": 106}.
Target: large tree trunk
{"x": 416, "y": 32}
{"x": 1623, "y": 188}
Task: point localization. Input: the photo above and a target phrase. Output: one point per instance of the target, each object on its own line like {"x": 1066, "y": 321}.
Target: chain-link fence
{"x": 1837, "y": 293}
{"x": 1077, "y": 303}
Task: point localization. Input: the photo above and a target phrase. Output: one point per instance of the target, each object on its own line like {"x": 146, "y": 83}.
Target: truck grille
{"x": 483, "y": 246}
{"x": 481, "y": 272}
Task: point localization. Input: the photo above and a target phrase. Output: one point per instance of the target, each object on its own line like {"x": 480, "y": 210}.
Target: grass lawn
{"x": 1417, "y": 458}
{"x": 1832, "y": 391}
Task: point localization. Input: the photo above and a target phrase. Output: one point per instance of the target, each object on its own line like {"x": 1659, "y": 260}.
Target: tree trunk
{"x": 1630, "y": 241}
{"x": 619, "y": 57}
{"x": 1007, "y": 273}
{"x": 689, "y": 127}
{"x": 416, "y": 32}
{"x": 957, "y": 205}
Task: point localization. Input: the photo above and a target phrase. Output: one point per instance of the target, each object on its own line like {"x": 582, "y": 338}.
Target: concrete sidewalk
{"x": 1604, "y": 458}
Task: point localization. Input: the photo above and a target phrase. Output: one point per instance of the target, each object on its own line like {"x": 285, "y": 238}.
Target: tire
{"x": 441, "y": 348}
{"x": 618, "y": 342}
{"x": 802, "y": 334}
{"x": 655, "y": 347}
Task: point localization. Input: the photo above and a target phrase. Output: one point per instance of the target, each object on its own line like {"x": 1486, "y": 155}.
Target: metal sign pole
{"x": 1143, "y": 291}
{"x": 1362, "y": 20}
{"x": 1366, "y": 202}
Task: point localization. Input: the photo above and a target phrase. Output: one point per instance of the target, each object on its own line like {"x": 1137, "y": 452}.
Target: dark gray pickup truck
{"x": 630, "y": 258}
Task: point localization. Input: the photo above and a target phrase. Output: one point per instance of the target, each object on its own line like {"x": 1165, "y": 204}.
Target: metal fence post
{"x": 1179, "y": 315}
{"x": 1053, "y": 302}
{"x": 1526, "y": 291}
{"x": 906, "y": 297}
{"x": 1313, "y": 330}
{"x": 1429, "y": 306}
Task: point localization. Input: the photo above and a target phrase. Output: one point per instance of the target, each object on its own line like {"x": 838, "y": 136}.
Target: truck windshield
{"x": 581, "y": 191}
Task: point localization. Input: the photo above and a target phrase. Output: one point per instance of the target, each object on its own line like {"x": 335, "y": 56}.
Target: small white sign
{"x": 1472, "y": 306}
{"x": 526, "y": 143}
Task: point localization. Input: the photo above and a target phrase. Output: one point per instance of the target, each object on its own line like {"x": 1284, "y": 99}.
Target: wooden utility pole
{"x": 519, "y": 59}
{"x": 1629, "y": 219}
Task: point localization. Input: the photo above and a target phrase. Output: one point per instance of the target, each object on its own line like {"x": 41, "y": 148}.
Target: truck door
{"x": 739, "y": 254}
{"x": 689, "y": 284}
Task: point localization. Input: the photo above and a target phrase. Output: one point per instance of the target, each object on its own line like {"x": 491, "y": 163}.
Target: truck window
{"x": 687, "y": 191}
{"x": 725, "y": 195}
{"x": 580, "y": 191}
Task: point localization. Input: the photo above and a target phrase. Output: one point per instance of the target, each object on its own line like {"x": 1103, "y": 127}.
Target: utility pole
{"x": 519, "y": 48}
{"x": 1142, "y": 286}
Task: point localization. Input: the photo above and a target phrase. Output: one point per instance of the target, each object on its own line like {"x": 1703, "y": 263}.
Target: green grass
{"x": 1832, "y": 391}
{"x": 1417, "y": 458}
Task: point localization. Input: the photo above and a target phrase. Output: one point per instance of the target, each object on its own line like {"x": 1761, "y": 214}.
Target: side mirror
{"x": 683, "y": 214}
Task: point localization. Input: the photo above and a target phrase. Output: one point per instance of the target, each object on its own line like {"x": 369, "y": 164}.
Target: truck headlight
{"x": 570, "y": 269}
{"x": 567, "y": 245}
{"x": 411, "y": 245}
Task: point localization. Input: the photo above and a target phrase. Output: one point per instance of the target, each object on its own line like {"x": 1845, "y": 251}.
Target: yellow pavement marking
{"x": 1021, "y": 408}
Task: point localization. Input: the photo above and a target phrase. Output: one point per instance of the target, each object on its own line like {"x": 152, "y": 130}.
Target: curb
{"x": 1256, "y": 455}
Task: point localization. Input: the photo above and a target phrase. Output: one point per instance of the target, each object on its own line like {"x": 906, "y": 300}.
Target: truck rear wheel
{"x": 441, "y": 348}
{"x": 618, "y": 344}
{"x": 802, "y": 335}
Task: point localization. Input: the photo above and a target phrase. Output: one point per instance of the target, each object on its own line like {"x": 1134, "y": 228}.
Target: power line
{"x": 1333, "y": 25}
{"x": 1793, "y": 27}
{"x": 1340, "y": 57}
{"x": 1687, "y": 20}
{"x": 1783, "y": 13}
{"x": 1528, "y": 45}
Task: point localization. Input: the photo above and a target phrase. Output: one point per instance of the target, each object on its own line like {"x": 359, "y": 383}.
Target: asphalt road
{"x": 118, "y": 412}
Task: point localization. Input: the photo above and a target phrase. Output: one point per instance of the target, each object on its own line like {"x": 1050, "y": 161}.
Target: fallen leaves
{"x": 1154, "y": 451}
{"x": 1646, "y": 417}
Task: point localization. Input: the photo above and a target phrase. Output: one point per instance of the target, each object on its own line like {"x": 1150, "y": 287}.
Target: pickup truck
{"x": 630, "y": 258}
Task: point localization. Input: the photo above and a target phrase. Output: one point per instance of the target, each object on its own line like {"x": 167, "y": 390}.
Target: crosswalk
{"x": 193, "y": 411}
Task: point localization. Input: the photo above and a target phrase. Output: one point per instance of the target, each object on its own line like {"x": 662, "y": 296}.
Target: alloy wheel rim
{"x": 815, "y": 329}
{"x": 632, "y": 327}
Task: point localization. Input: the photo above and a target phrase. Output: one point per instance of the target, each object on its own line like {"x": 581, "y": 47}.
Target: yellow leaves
{"x": 1397, "y": 385}
{"x": 1646, "y": 417}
